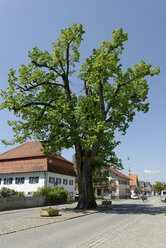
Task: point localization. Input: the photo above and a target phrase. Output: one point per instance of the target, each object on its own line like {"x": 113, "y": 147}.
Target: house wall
{"x": 68, "y": 187}
{"x": 112, "y": 176}
{"x": 122, "y": 189}
{"x": 26, "y": 187}
{"x": 32, "y": 187}
{"x": 122, "y": 186}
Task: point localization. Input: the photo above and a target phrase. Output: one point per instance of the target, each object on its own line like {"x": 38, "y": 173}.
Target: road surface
{"x": 120, "y": 226}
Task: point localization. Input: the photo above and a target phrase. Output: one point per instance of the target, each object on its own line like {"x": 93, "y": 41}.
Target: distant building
{"x": 145, "y": 186}
{"x": 25, "y": 168}
{"x": 116, "y": 186}
{"x": 134, "y": 184}
{"x": 148, "y": 187}
{"x": 141, "y": 185}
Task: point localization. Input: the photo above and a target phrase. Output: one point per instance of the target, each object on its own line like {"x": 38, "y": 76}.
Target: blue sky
{"x": 28, "y": 23}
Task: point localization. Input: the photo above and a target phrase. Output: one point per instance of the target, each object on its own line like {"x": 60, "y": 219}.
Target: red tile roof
{"x": 118, "y": 173}
{"x": 29, "y": 158}
{"x": 133, "y": 180}
{"x": 23, "y": 165}
{"x": 29, "y": 149}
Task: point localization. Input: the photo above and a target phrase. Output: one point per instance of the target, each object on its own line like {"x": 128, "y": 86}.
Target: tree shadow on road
{"x": 134, "y": 209}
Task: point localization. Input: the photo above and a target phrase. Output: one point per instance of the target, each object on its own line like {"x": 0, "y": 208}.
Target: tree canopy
{"x": 159, "y": 186}
{"x": 48, "y": 110}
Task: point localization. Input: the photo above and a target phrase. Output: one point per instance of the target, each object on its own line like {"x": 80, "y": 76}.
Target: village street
{"x": 127, "y": 223}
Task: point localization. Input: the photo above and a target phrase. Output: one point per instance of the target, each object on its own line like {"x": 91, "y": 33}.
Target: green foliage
{"x": 159, "y": 186}
{"x": 50, "y": 209}
{"x": 69, "y": 198}
{"x": 55, "y": 195}
{"x": 113, "y": 187}
{"x": 42, "y": 191}
{"x": 21, "y": 193}
{"x": 6, "y": 192}
{"x": 38, "y": 94}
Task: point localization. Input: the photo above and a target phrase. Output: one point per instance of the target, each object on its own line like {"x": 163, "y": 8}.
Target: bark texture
{"x": 85, "y": 185}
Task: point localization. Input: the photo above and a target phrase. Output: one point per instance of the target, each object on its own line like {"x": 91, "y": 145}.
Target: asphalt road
{"x": 89, "y": 231}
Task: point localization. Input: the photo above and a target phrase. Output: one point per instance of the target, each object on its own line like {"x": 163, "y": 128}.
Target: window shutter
{"x": 36, "y": 179}
{"x": 22, "y": 180}
{"x": 10, "y": 180}
{"x": 4, "y": 180}
{"x": 30, "y": 179}
{"x": 16, "y": 180}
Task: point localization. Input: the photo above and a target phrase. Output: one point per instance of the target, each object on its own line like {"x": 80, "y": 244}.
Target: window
{"x": 122, "y": 182}
{"x": 19, "y": 180}
{"x": 8, "y": 180}
{"x": 70, "y": 182}
{"x": 58, "y": 180}
{"x": 0, "y": 180}
{"x": 106, "y": 190}
{"x": 65, "y": 181}
{"x": 52, "y": 180}
{"x": 33, "y": 179}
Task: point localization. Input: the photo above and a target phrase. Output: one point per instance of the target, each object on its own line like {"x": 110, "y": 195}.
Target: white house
{"x": 25, "y": 168}
{"x": 116, "y": 180}
{"x": 134, "y": 184}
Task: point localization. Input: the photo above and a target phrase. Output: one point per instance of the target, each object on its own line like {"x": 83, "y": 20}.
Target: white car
{"x": 135, "y": 197}
{"x": 163, "y": 195}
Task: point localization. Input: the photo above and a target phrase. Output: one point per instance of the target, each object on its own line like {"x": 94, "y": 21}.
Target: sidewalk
{"x": 66, "y": 212}
{"x": 25, "y": 223}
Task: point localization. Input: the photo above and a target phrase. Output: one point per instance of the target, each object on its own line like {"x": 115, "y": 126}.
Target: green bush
{"x": 54, "y": 196}
{"x": 21, "y": 193}
{"x": 42, "y": 191}
{"x": 69, "y": 197}
{"x": 6, "y": 192}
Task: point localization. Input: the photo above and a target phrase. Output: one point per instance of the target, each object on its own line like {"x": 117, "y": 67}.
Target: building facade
{"x": 117, "y": 185}
{"x": 26, "y": 168}
{"x": 134, "y": 184}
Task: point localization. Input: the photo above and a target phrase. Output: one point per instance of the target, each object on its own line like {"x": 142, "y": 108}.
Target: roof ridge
{"x": 32, "y": 148}
{"x": 118, "y": 173}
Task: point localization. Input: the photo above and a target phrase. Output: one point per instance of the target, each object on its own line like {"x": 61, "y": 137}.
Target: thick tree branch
{"x": 67, "y": 59}
{"x": 86, "y": 89}
{"x": 119, "y": 86}
{"x": 32, "y": 104}
{"x": 46, "y": 66}
{"x": 102, "y": 100}
{"x": 115, "y": 94}
{"x": 111, "y": 116}
{"x": 26, "y": 88}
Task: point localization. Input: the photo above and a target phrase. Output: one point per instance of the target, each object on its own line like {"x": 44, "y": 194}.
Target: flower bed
{"x": 106, "y": 202}
{"x": 46, "y": 212}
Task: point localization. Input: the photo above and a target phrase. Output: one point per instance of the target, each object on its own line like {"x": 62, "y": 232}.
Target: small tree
{"x": 41, "y": 96}
{"x": 159, "y": 186}
{"x": 113, "y": 187}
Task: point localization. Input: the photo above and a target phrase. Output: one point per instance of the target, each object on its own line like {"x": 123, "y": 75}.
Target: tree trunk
{"x": 85, "y": 186}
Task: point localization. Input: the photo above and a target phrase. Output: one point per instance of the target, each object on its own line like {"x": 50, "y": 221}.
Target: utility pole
{"x": 129, "y": 167}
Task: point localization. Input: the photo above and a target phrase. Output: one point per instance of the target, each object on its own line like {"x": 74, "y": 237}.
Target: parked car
{"x": 135, "y": 197}
{"x": 163, "y": 195}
